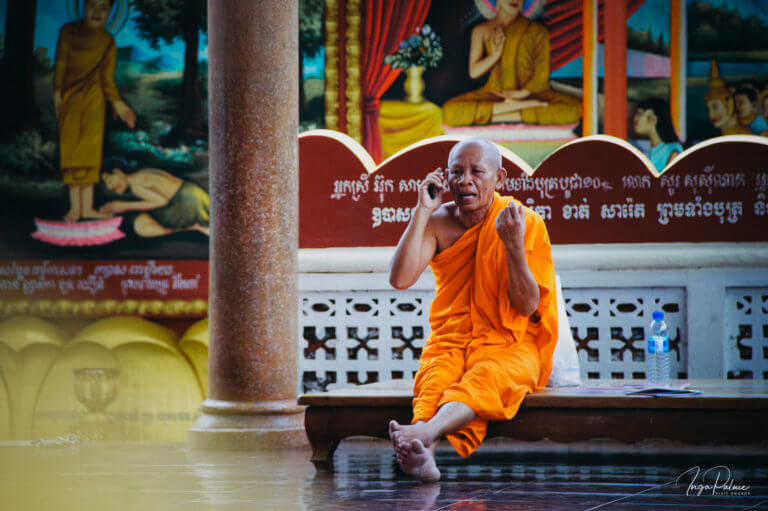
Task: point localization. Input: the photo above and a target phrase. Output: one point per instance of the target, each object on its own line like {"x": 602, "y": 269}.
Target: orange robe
{"x": 84, "y": 72}
{"x": 481, "y": 352}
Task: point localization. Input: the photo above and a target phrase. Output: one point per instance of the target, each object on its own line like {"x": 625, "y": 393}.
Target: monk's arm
{"x": 414, "y": 250}
{"x": 418, "y": 243}
{"x": 523, "y": 290}
{"x": 479, "y": 65}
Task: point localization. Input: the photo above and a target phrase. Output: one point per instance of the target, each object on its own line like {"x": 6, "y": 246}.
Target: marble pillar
{"x": 253, "y": 91}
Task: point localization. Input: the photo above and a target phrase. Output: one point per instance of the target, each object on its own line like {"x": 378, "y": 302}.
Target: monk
{"x": 494, "y": 317}
{"x": 84, "y": 80}
{"x": 514, "y": 52}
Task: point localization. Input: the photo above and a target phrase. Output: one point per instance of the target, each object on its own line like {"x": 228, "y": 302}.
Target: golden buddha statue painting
{"x": 514, "y": 53}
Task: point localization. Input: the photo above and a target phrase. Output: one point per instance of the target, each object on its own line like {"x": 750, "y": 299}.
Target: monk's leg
{"x": 439, "y": 367}
{"x": 496, "y": 380}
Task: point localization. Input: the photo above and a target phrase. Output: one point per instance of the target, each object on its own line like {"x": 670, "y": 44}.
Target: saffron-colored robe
{"x": 524, "y": 64}
{"x": 84, "y": 72}
{"x": 481, "y": 351}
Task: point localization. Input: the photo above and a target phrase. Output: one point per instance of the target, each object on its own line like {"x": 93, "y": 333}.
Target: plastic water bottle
{"x": 658, "y": 351}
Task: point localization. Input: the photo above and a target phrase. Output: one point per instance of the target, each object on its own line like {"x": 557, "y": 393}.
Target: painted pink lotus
{"x": 79, "y": 234}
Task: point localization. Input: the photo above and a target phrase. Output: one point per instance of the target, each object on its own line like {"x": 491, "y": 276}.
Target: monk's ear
{"x": 501, "y": 177}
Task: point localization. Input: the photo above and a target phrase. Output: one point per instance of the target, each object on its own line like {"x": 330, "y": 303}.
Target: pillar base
{"x": 233, "y": 425}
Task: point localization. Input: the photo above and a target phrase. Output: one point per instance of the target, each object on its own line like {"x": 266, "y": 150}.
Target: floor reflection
{"x": 116, "y": 476}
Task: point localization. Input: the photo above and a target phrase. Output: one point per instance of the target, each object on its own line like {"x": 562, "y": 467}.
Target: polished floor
{"x": 87, "y": 476}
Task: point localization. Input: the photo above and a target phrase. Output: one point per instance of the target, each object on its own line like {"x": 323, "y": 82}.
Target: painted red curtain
{"x": 385, "y": 24}
{"x": 564, "y": 20}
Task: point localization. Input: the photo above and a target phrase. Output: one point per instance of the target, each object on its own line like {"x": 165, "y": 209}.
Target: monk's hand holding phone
{"x": 431, "y": 190}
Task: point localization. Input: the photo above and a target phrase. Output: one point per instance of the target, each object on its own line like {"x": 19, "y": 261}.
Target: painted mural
{"x": 727, "y": 68}
{"x": 651, "y": 127}
{"x": 512, "y": 71}
{"x": 103, "y": 149}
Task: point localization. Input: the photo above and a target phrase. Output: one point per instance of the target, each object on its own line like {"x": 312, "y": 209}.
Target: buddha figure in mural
{"x": 514, "y": 52}
{"x": 84, "y": 80}
{"x": 721, "y": 107}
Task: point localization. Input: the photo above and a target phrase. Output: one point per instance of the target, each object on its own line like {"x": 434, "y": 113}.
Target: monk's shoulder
{"x": 445, "y": 226}
{"x": 443, "y": 216}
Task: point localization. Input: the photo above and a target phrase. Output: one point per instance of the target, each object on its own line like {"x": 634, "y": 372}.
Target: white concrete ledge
{"x": 592, "y": 257}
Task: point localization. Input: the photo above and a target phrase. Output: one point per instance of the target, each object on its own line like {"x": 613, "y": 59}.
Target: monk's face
{"x": 473, "y": 177}
{"x": 718, "y": 112}
{"x": 96, "y": 13}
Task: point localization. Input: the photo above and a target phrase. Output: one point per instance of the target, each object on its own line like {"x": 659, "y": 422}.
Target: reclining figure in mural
{"x": 515, "y": 53}
{"x": 494, "y": 316}
{"x": 169, "y": 204}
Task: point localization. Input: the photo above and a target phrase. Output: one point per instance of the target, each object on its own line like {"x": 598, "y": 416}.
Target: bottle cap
{"x": 658, "y": 316}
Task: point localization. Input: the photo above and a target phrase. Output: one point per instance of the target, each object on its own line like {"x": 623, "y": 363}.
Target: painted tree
{"x": 310, "y": 37}
{"x": 17, "y": 102}
{"x": 165, "y": 21}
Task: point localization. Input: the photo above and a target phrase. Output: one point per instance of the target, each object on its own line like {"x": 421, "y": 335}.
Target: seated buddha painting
{"x": 512, "y": 53}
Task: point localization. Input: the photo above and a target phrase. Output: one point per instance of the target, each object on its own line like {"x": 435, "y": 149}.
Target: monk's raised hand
{"x": 426, "y": 200}
{"x": 510, "y": 224}
{"x": 497, "y": 41}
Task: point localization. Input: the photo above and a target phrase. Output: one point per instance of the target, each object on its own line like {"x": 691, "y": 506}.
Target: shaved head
{"x": 490, "y": 151}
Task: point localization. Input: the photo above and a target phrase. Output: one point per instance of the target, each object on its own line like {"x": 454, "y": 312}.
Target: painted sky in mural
{"x": 52, "y": 13}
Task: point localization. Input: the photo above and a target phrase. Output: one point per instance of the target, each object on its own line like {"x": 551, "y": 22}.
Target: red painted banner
{"x": 596, "y": 189}
{"x": 100, "y": 280}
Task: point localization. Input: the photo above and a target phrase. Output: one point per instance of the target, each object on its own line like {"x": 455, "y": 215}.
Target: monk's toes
{"x": 417, "y": 446}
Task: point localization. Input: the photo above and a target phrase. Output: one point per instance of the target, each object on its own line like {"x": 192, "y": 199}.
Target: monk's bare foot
{"x": 404, "y": 435}
{"x": 420, "y": 463}
{"x": 72, "y": 215}
{"x": 397, "y": 441}
{"x": 93, "y": 214}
